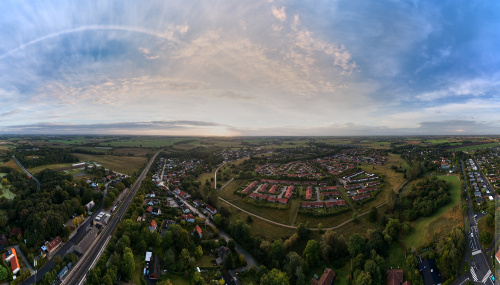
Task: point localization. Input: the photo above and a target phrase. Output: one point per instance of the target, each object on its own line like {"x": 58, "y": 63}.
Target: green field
{"x": 122, "y": 164}
{"x": 143, "y": 142}
{"x": 441, "y": 222}
{"x": 49, "y": 166}
{"x": 480, "y": 146}
{"x": 5, "y": 192}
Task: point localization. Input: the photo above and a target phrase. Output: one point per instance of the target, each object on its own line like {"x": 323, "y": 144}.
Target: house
{"x": 497, "y": 256}
{"x": 273, "y": 189}
{"x": 361, "y": 197}
{"x": 188, "y": 218}
{"x": 185, "y": 209}
{"x": 325, "y": 279}
{"x": 55, "y": 243}
{"x": 289, "y": 192}
{"x": 89, "y": 205}
{"x": 10, "y": 256}
{"x": 156, "y": 211}
{"x": 394, "y": 276}
{"x": 429, "y": 272}
{"x": 309, "y": 193}
{"x": 15, "y": 232}
{"x": 222, "y": 251}
{"x": 152, "y": 225}
{"x": 335, "y": 203}
{"x": 211, "y": 209}
{"x": 149, "y": 209}
{"x": 198, "y": 230}
{"x": 198, "y": 203}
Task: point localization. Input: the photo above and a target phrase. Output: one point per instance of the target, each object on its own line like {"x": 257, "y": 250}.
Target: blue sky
{"x": 356, "y": 67}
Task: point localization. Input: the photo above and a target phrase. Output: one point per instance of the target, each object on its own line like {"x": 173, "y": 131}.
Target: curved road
{"x": 292, "y": 227}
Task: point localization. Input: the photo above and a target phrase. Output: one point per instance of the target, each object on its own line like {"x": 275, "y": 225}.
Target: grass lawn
{"x": 205, "y": 261}
{"x": 5, "y": 192}
{"x": 262, "y": 228}
{"x": 122, "y": 164}
{"x": 207, "y": 175}
{"x": 441, "y": 222}
{"x": 395, "y": 257}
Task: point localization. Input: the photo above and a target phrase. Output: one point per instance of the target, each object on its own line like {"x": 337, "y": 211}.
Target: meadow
{"x": 441, "y": 222}
{"x": 122, "y": 164}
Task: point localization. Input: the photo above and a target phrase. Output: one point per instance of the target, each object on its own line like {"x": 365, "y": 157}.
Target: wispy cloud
{"x": 280, "y": 14}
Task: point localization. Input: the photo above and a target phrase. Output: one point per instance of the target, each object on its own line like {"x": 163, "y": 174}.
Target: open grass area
{"x": 144, "y": 141}
{"x": 12, "y": 164}
{"x": 57, "y": 166}
{"x": 262, "y": 228}
{"x": 5, "y": 192}
{"x": 395, "y": 256}
{"x": 122, "y": 164}
{"x": 441, "y": 222}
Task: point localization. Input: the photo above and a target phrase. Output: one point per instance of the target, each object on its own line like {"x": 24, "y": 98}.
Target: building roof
{"x": 325, "y": 279}
{"x": 497, "y": 256}
{"x": 198, "y": 230}
{"x": 394, "y": 276}
{"x": 153, "y": 224}
{"x": 53, "y": 244}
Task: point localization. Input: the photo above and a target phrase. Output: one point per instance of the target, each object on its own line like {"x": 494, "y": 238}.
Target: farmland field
{"x": 122, "y": 164}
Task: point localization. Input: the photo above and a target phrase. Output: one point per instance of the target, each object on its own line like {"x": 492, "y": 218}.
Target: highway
{"x": 89, "y": 259}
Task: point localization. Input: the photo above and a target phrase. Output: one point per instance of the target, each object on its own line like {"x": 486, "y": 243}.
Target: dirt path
{"x": 288, "y": 226}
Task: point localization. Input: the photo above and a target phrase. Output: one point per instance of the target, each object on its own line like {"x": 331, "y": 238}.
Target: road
{"x": 293, "y": 227}
{"x": 480, "y": 267}
{"x": 88, "y": 260}
{"x": 27, "y": 172}
{"x": 215, "y": 175}
{"x": 251, "y": 262}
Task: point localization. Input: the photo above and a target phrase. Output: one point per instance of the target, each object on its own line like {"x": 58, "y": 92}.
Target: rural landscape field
{"x": 356, "y": 206}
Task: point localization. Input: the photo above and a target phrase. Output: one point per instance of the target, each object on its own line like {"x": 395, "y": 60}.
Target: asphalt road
{"x": 87, "y": 261}
{"x": 480, "y": 267}
{"x": 251, "y": 262}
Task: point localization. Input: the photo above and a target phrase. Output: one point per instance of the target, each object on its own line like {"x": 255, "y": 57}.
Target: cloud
{"x": 280, "y": 14}
{"x": 10, "y": 113}
{"x": 486, "y": 85}
{"x": 146, "y": 52}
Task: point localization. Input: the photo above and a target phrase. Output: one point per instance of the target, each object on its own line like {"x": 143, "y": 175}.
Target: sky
{"x": 250, "y": 68}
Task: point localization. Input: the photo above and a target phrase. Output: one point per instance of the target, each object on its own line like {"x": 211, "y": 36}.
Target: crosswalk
{"x": 485, "y": 278}
{"x": 474, "y": 276}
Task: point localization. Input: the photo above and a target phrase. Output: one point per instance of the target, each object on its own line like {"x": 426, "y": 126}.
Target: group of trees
{"x": 45, "y": 156}
{"x": 42, "y": 214}
{"x": 423, "y": 198}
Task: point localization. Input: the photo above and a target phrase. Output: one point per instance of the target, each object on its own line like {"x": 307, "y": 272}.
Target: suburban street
{"x": 251, "y": 262}
{"x": 480, "y": 267}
